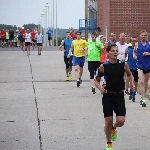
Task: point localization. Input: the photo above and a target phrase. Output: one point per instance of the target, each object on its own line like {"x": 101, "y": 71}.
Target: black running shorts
{"x": 113, "y": 102}
{"x": 135, "y": 75}
{"x": 27, "y": 43}
{"x": 68, "y": 61}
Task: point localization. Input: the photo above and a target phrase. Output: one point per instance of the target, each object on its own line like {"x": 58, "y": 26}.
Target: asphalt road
{"x": 39, "y": 110}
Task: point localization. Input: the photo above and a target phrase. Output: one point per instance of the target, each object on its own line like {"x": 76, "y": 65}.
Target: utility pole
{"x": 53, "y": 24}
{"x": 86, "y": 17}
{"x": 56, "y": 26}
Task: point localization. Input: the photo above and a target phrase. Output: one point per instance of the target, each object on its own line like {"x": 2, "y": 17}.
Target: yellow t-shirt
{"x": 77, "y": 45}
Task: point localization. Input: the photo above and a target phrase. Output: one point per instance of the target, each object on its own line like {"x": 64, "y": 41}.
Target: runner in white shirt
{"x": 122, "y": 48}
{"x": 27, "y": 41}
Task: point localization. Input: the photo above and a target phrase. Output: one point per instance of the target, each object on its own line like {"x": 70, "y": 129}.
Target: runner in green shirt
{"x": 7, "y": 37}
{"x": 94, "y": 48}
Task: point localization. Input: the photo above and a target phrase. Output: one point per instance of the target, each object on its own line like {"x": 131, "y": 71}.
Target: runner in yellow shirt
{"x": 78, "y": 48}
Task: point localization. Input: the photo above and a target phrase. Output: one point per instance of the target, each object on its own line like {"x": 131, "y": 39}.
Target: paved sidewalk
{"x": 39, "y": 110}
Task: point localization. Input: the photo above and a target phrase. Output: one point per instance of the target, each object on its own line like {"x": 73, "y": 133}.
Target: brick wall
{"x": 124, "y": 16}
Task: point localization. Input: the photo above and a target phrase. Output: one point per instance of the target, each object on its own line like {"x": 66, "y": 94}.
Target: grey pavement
{"x": 39, "y": 110}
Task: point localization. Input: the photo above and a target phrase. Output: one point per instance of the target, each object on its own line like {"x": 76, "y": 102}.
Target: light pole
{"x": 86, "y": 17}
{"x": 53, "y": 24}
{"x": 48, "y": 14}
{"x": 56, "y": 26}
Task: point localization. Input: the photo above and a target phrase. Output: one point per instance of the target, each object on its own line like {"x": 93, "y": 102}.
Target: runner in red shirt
{"x": 33, "y": 33}
{"x": 22, "y": 39}
{"x": 73, "y": 36}
{"x": 103, "y": 54}
{"x": 3, "y": 37}
{"x": 0, "y": 38}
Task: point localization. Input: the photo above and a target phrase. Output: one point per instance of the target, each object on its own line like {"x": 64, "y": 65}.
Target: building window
{"x": 148, "y": 36}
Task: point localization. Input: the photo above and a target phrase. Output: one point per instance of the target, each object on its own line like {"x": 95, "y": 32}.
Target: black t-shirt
{"x": 11, "y": 34}
{"x": 114, "y": 76}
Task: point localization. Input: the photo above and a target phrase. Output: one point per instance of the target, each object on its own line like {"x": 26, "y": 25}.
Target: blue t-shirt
{"x": 132, "y": 63}
{"x": 143, "y": 62}
{"x": 50, "y": 33}
{"x": 67, "y": 46}
{"x": 109, "y": 42}
{"x": 39, "y": 38}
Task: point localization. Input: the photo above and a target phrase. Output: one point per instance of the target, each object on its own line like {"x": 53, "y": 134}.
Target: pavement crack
{"x": 37, "y": 111}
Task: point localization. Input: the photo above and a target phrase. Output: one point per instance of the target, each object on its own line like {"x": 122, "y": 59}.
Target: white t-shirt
{"x": 27, "y": 37}
{"x": 121, "y": 50}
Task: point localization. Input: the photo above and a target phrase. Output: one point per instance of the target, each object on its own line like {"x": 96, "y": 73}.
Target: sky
{"x": 19, "y": 12}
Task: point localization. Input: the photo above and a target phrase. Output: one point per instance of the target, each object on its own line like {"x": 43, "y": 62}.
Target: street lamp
{"x": 48, "y": 13}
{"x": 53, "y": 25}
{"x": 56, "y": 26}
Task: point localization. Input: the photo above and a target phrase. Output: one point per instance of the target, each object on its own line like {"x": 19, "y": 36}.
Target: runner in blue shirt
{"x": 50, "y": 35}
{"x": 132, "y": 63}
{"x": 142, "y": 48}
{"x": 39, "y": 39}
{"x": 66, "y": 43}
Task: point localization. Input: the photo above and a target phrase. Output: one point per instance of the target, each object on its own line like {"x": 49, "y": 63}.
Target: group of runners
{"x": 24, "y": 38}
{"x": 118, "y": 64}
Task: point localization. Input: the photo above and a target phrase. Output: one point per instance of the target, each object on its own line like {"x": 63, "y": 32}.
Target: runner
{"x": 15, "y": 40}
{"x": 50, "y": 35}
{"x": 112, "y": 39}
{"x": 78, "y": 48}
{"x": 11, "y": 38}
{"x": 33, "y": 33}
{"x": 113, "y": 93}
{"x": 128, "y": 39}
{"x": 7, "y": 38}
{"x": 68, "y": 60}
{"x": 94, "y": 49}
{"x": 28, "y": 41}
{"x": 133, "y": 67}
{"x": 122, "y": 47}
{"x": 18, "y": 36}
{"x": 142, "y": 48}
{"x": 98, "y": 31}
{"x": 3, "y": 38}
{"x": 103, "y": 54}
{"x": 22, "y": 39}
{"x": 39, "y": 39}
{"x": 0, "y": 38}
{"x": 73, "y": 36}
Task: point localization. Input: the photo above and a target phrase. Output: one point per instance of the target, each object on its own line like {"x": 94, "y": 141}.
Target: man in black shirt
{"x": 113, "y": 93}
{"x": 11, "y": 37}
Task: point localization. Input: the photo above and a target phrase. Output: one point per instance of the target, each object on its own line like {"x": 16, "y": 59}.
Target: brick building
{"x": 118, "y": 16}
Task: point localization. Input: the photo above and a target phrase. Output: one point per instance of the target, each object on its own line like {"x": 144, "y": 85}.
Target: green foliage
{"x": 7, "y": 27}
{"x": 30, "y": 26}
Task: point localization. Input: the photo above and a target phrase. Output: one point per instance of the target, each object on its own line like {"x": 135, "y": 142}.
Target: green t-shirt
{"x": 94, "y": 51}
{"x": 7, "y": 36}
{"x": 15, "y": 39}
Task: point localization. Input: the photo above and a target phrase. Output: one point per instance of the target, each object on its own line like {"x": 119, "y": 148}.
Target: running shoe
{"x": 70, "y": 76}
{"x": 143, "y": 103}
{"x": 127, "y": 92}
{"x": 109, "y": 146}
{"x": 133, "y": 99}
{"x": 67, "y": 78}
{"x": 93, "y": 90}
{"x": 130, "y": 97}
{"x": 114, "y": 135}
{"x": 78, "y": 83}
{"x": 80, "y": 80}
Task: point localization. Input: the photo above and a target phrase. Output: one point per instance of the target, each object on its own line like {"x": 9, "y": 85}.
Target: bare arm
{"x": 134, "y": 51}
{"x": 61, "y": 45}
{"x": 129, "y": 74}
{"x": 98, "y": 78}
{"x": 125, "y": 54}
